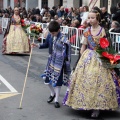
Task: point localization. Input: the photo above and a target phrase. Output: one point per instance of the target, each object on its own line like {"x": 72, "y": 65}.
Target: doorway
{"x": 61, "y": 2}
{"x": 80, "y": 3}
{"x": 104, "y": 3}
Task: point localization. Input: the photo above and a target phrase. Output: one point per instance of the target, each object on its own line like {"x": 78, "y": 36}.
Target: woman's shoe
{"x": 95, "y": 113}
{"x": 50, "y": 99}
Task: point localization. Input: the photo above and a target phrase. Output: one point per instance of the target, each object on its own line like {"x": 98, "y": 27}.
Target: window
{"x": 8, "y": 2}
{"x": 104, "y": 3}
{"x": 61, "y": 2}
{"x": 44, "y": 3}
{"x": 114, "y": 2}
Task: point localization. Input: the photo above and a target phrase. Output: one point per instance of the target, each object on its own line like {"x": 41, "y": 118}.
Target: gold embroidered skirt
{"x": 92, "y": 86}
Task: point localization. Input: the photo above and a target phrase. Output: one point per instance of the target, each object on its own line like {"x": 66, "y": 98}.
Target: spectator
{"x": 76, "y": 15}
{"x": 116, "y": 17}
{"x": 61, "y": 12}
{"x": 106, "y": 17}
{"x": 37, "y": 11}
{"x": 53, "y": 12}
{"x": 115, "y": 27}
{"x": 85, "y": 14}
{"x": 56, "y": 17}
{"x": 70, "y": 12}
{"x": 81, "y": 11}
{"x": 113, "y": 10}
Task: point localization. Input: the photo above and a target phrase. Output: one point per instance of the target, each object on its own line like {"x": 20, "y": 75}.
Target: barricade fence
{"x": 0, "y": 25}
{"x": 74, "y": 35}
{"x": 4, "y": 23}
{"x": 115, "y": 38}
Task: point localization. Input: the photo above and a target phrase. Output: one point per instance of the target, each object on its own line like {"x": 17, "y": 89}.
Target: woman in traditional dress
{"x": 15, "y": 39}
{"x": 93, "y": 87}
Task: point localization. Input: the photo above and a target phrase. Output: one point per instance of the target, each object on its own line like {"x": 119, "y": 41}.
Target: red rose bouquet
{"x": 108, "y": 55}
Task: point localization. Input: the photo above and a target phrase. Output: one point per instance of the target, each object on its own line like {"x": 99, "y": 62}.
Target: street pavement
{"x": 34, "y": 103}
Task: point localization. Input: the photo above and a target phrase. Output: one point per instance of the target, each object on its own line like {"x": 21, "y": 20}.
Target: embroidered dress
{"x": 92, "y": 86}
{"x": 16, "y": 41}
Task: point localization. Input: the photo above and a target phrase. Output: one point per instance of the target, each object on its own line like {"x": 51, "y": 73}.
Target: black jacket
{"x": 117, "y": 16}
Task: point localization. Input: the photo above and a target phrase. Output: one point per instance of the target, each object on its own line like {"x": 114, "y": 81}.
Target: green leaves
{"x": 33, "y": 35}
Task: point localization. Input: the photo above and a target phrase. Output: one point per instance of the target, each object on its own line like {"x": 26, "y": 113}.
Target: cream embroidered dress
{"x": 92, "y": 86}
{"x": 16, "y": 41}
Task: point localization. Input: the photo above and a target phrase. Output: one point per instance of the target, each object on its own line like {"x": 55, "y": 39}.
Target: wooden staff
{"x": 26, "y": 77}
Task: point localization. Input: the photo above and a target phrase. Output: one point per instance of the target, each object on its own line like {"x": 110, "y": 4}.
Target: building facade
{"x": 1, "y": 3}
{"x": 50, "y": 3}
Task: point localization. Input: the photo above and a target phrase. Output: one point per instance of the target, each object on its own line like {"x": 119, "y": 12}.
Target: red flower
{"x": 113, "y": 58}
{"x": 116, "y": 58}
{"x": 22, "y": 21}
{"x": 107, "y": 55}
{"x": 104, "y": 43}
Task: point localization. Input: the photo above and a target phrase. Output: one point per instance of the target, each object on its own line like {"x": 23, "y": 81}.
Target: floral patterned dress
{"x": 92, "y": 85}
{"x": 16, "y": 41}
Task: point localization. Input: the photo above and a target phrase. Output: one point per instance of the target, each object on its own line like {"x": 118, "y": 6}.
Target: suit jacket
{"x": 48, "y": 43}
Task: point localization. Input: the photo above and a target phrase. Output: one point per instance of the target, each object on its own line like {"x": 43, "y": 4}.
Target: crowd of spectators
{"x": 74, "y": 17}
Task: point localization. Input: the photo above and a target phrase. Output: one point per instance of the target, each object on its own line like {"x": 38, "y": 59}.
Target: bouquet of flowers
{"x": 25, "y": 24}
{"x": 108, "y": 55}
{"x": 36, "y": 29}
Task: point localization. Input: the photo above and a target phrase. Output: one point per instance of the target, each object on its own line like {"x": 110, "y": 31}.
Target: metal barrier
{"x": 0, "y": 25}
{"x": 44, "y": 27}
{"x": 45, "y": 31}
{"x": 74, "y": 36}
{"x": 115, "y": 37}
{"x": 5, "y": 23}
{"x": 80, "y": 36}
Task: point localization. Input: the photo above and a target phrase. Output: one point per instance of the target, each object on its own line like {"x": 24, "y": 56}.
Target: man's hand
{"x": 34, "y": 45}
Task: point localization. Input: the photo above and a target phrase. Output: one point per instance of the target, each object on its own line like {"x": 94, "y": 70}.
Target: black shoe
{"x": 57, "y": 105}
{"x": 50, "y": 99}
{"x": 95, "y": 114}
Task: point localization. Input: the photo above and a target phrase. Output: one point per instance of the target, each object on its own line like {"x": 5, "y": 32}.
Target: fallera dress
{"x": 92, "y": 86}
{"x": 16, "y": 40}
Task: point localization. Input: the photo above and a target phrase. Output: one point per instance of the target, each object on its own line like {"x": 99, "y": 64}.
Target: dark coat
{"x": 117, "y": 16}
{"x": 48, "y": 43}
